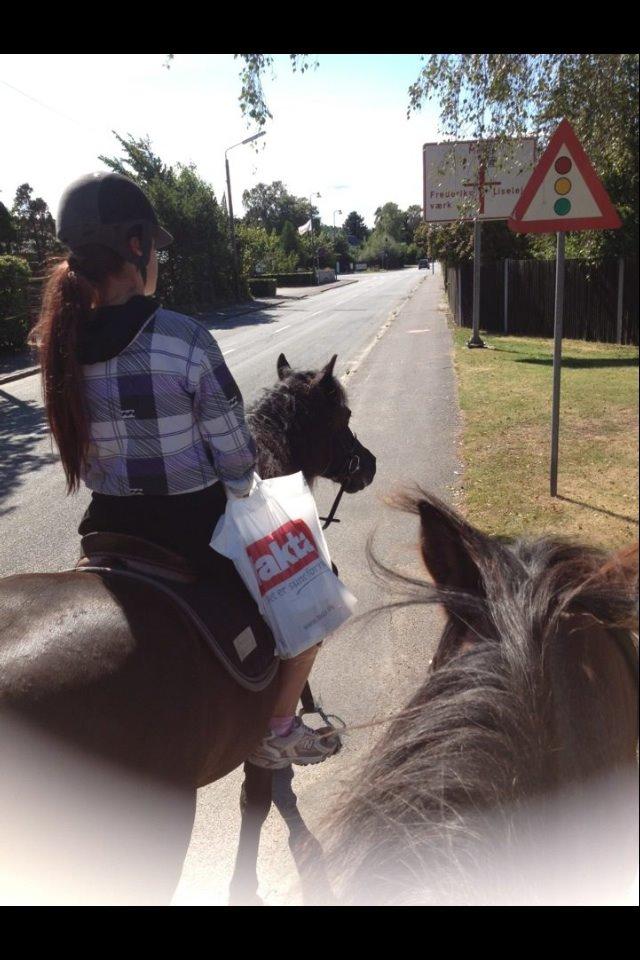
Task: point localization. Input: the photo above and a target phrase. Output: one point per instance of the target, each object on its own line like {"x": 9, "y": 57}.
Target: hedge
{"x": 14, "y": 302}
{"x": 262, "y": 287}
{"x": 292, "y": 279}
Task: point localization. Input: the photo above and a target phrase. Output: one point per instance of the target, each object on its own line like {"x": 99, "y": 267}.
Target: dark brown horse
{"x": 114, "y": 712}
{"x": 511, "y": 776}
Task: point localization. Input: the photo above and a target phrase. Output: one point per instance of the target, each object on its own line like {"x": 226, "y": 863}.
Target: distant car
{"x": 423, "y": 264}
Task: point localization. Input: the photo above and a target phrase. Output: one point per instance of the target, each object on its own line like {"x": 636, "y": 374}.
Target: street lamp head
{"x": 256, "y": 136}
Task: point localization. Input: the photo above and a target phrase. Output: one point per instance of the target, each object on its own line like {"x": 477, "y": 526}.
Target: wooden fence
{"x": 517, "y": 296}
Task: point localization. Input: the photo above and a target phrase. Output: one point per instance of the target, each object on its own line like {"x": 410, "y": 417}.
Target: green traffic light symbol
{"x": 562, "y": 186}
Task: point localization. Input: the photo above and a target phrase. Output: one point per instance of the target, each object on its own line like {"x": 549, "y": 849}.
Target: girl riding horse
{"x": 145, "y": 411}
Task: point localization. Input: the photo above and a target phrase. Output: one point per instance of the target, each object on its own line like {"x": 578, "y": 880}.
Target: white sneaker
{"x": 302, "y": 745}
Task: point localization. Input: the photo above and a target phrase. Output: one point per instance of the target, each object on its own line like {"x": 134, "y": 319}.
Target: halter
{"x": 351, "y": 466}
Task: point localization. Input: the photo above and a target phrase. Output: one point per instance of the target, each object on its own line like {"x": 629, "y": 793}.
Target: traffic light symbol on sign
{"x": 562, "y": 186}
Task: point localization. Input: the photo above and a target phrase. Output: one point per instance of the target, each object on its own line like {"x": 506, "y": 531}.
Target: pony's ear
{"x": 445, "y": 540}
{"x": 283, "y": 367}
{"x": 326, "y": 374}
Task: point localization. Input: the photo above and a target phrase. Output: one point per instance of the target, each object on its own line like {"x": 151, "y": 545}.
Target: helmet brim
{"x": 162, "y": 238}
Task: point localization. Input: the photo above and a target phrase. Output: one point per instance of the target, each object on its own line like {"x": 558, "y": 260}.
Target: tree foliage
{"x": 513, "y": 94}
{"x": 34, "y": 226}
{"x": 262, "y": 252}
{"x": 197, "y": 268}
{"x": 271, "y": 205}
{"x": 8, "y": 233}
{"x": 354, "y": 226}
{"x": 452, "y": 243}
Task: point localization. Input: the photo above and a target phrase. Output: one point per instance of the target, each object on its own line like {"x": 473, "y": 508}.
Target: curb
{"x": 20, "y": 375}
{"x": 325, "y": 289}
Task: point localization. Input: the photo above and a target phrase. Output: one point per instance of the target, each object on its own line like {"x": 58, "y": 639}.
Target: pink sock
{"x": 281, "y": 726}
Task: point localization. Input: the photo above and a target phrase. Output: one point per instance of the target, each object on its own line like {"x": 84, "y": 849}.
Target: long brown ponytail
{"x": 70, "y": 294}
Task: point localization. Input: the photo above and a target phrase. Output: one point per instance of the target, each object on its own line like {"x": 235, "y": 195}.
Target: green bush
{"x": 293, "y": 279}
{"x": 14, "y": 302}
{"x": 262, "y": 287}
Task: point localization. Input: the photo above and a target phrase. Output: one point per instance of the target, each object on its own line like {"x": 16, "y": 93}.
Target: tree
{"x": 412, "y": 219}
{"x": 197, "y": 268}
{"x": 452, "y": 243}
{"x": 7, "y": 230}
{"x": 262, "y": 252}
{"x": 290, "y": 239}
{"x": 390, "y": 219}
{"x": 511, "y": 94}
{"x": 34, "y": 226}
{"x": 381, "y": 249}
{"x": 271, "y": 205}
{"x": 354, "y": 226}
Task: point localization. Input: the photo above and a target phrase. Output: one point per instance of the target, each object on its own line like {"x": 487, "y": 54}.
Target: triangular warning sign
{"x": 563, "y": 192}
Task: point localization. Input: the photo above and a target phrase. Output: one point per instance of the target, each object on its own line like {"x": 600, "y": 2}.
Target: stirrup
{"x": 326, "y": 717}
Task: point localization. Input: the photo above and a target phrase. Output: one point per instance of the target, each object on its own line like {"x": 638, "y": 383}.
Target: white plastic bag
{"x": 277, "y": 545}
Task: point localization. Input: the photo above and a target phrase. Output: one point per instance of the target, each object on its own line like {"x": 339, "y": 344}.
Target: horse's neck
{"x": 274, "y": 456}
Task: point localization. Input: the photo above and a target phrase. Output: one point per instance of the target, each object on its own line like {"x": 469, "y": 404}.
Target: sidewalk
{"x": 15, "y": 366}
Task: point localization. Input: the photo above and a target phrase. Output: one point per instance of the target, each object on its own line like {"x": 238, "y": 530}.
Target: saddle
{"x": 220, "y": 607}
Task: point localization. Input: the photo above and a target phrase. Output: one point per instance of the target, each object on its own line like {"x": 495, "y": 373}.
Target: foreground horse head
{"x": 303, "y": 424}
{"x": 511, "y": 776}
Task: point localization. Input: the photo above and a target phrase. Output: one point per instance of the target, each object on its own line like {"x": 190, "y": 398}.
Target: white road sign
{"x": 469, "y": 179}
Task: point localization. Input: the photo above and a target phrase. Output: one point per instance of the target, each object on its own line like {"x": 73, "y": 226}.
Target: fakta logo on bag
{"x": 285, "y": 552}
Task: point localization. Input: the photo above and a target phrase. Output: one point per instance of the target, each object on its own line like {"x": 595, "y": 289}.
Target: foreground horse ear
{"x": 444, "y": 541}
{"x": 326, "y": 374}
{"x": 283, "y": 367}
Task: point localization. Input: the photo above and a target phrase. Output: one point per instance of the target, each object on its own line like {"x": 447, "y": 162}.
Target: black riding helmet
{"x": 103, "y": 208}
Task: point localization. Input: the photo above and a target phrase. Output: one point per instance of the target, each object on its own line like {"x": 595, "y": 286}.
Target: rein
{"x": 352, "y": 463}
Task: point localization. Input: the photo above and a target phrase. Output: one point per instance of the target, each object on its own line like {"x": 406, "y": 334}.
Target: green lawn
{"x": 505, "y": 396}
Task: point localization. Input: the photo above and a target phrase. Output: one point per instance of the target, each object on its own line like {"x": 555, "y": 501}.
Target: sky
{"x": 340, "y": 130}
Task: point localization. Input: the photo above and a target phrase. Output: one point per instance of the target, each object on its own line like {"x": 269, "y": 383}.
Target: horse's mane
{"x": 279, "y": 419}
{"x": 477, "y": 742}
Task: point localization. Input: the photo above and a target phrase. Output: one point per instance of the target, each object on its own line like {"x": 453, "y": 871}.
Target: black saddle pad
{"x": 224, "y": 612}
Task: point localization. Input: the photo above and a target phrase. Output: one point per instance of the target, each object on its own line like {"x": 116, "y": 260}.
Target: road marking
{"x": 227, "y": 352}
{"x": 280, "y": 329}
{"x": 316, "y": 313}
{"x": 426, "y": 330}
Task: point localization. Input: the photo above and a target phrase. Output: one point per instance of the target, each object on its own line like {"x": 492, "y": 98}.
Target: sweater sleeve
{"x": 219, "y": 413}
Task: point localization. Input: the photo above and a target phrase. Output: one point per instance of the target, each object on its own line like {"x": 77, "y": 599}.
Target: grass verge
{"x": 505, "y": 396}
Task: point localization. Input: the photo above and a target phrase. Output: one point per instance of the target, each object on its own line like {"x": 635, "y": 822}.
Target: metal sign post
{"x": 476, "y": 340}
{"x": 563, "y": 194}
{"x": 557, "y": 362}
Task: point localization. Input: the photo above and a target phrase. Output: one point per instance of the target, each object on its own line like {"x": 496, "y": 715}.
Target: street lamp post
{"x": 311, "y": 196}
{"x": 334, "y": 231}
{"x": 234, "y": 249}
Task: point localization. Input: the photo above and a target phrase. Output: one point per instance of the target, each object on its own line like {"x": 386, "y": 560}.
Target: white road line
{"x": 280, "y": 329}
{"x": 227, "y": 352}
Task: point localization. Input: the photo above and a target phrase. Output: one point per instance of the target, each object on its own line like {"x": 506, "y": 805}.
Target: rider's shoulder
{"x": 178, "y": 324}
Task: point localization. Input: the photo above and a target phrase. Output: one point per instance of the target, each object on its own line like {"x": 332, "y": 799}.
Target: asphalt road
{"x": 394, "y": 355}
{"x": 39, "y": 523}
{"x": 405, "y": 410}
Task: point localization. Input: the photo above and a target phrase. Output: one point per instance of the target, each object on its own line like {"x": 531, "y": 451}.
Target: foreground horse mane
{"x": 479, "y": 742}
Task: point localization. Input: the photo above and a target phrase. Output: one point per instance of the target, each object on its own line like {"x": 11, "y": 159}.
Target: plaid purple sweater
{"x": 166, "y": 416}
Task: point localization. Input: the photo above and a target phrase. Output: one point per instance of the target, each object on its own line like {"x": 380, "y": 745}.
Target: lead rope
{"x": 330, "y": 519}
{"x": 307, "y": 699}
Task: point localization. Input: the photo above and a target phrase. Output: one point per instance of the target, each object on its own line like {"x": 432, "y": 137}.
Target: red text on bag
{"x": 282, "y": 554}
